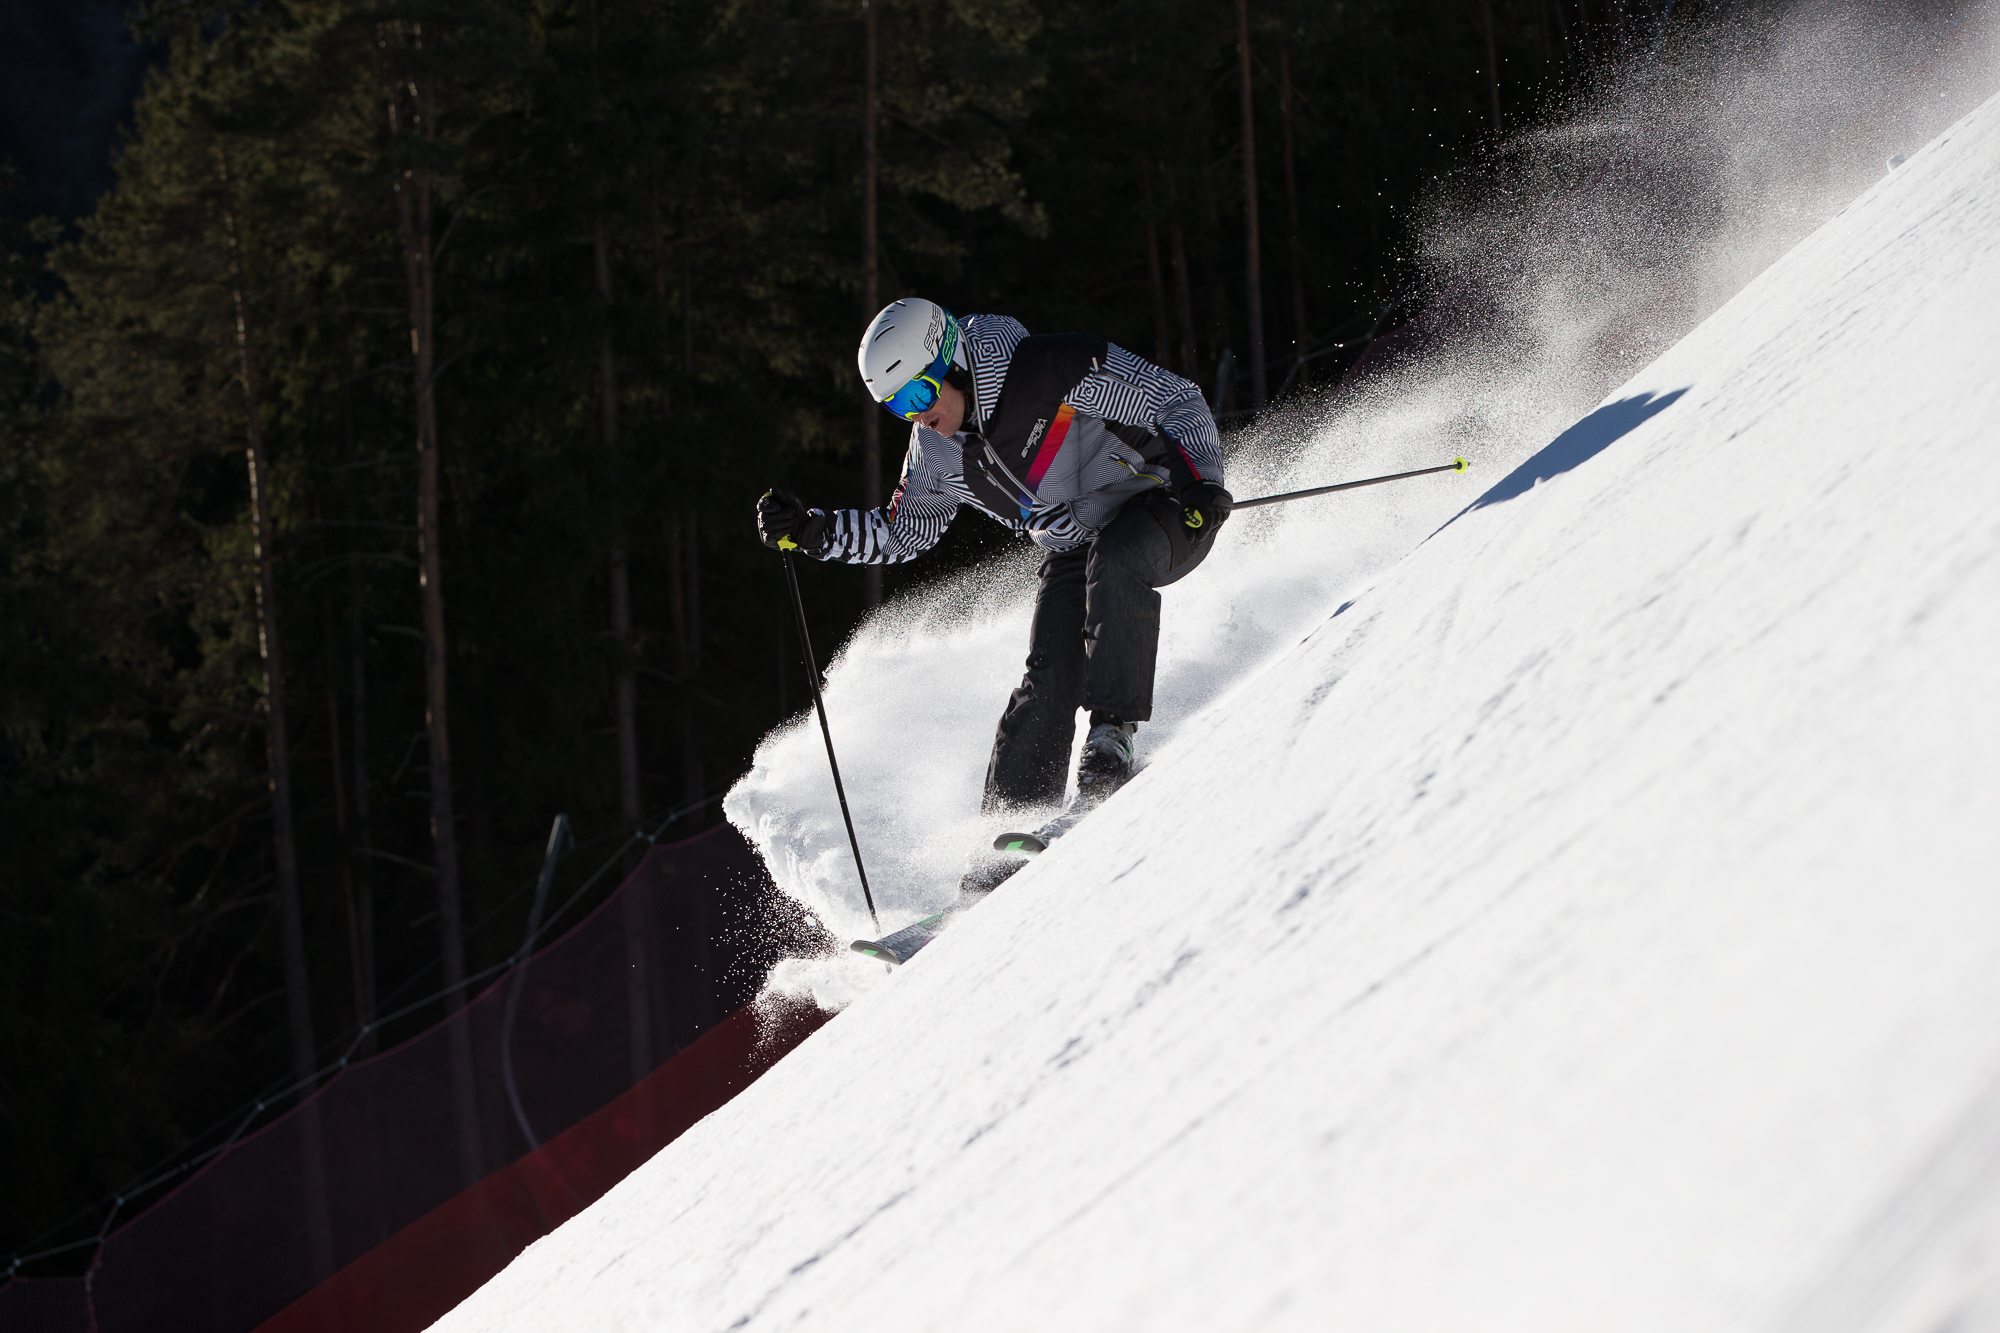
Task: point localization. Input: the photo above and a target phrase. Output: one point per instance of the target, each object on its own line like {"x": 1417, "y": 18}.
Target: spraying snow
{"x": 1575, "y": 257}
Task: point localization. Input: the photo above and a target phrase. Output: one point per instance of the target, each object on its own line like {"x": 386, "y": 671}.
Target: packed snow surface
{"x": 1589, "y": 921}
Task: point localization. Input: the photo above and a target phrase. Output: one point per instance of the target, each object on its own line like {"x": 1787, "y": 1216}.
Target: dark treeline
{"x": 377, "y": 456}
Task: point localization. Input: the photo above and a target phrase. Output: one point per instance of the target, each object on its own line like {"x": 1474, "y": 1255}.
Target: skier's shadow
{"x": 1577, "y": 445}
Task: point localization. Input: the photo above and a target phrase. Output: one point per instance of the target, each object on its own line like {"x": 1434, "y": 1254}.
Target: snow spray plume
{"x": 1581, "y": 250}
{"x": 1553, "y": 271}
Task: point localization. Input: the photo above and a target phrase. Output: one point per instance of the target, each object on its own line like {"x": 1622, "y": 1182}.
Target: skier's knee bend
{"x": 1123, "y": 562}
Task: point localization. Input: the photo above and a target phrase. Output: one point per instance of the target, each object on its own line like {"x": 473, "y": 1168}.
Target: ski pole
{"x": 1455, "y": 465}
{"x": 812, "y": 678}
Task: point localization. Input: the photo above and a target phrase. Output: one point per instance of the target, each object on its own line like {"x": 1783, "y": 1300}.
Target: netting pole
{"x": 557, "y": 835}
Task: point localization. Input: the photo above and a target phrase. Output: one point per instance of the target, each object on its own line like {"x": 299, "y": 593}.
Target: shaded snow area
{"x": 1563, "y": 897}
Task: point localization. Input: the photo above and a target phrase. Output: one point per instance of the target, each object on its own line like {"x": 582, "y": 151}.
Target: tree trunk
{"x": 687, "y": 303}
{"x": 625, "y": 678}
{"x": 1184, "y": 302}
{"x": 298, "y": 993}
{"x": 413, "y": 216}
{"x": 1221, "y": 316}
{"x": 361, "y": 841}
{"x": 291, "y": 915}
{"x": 344, "y": 828}
{"x": 625, "y": 685}
{"x": 361, "y": 836}
{"x": 413, "y": 208}
{"x": 683, "y": 601}
{"x": 1155, "y": 279}
{"x": 660, "y": 300}
{"x": 871, "y": 294}
{"x": 1300, "y": 339}
{"x": 694, "y": 778}
{"x": 684, "y": 610}
{"x": 1252, "y": 263}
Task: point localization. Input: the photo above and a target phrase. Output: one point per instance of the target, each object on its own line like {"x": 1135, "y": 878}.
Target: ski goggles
{"x": 920, "y": 395}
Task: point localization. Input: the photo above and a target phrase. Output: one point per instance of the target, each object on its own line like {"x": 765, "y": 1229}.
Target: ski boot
{"x": 1106, "y": 762}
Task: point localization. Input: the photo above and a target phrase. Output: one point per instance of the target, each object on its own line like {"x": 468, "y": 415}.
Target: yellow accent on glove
{"x": 787, "y": 544}
{"x": 1192, "y": 517}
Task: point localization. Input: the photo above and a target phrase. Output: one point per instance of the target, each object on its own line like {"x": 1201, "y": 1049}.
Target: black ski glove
{"x": 1206, "y": 505}
{"x": 784, "y": 522}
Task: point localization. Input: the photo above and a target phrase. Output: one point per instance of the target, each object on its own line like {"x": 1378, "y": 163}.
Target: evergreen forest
{"x": 377, "y": 457}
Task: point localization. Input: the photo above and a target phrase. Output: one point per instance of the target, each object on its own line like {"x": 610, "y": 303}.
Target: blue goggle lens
{"x": 919, "y": 395}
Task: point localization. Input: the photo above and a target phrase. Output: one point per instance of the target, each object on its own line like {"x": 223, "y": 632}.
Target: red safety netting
{"x": 45, "y": 1305}
{"x": 411, "y": 1280}
{"x": 676, "y": 950}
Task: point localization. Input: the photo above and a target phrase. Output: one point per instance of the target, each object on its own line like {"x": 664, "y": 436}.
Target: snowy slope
{"x": 1594, "y": 924}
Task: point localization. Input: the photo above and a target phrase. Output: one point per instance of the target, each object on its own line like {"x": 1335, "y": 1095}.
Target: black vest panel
{"x": 1000, "y": 457}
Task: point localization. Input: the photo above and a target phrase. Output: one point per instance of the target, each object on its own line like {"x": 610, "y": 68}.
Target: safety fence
{"x": 412, "y": 1176}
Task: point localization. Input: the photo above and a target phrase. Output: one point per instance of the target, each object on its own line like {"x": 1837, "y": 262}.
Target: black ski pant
{"x": 1095, "y": 639}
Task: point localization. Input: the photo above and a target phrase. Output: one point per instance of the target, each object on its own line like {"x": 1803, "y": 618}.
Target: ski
{"x": 901, "y": 946}
{"x": 1037, "y": 842}
{"x": 1021, "y": 844}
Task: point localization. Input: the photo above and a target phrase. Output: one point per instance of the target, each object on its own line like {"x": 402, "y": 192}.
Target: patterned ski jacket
{"x": 1063, "y": 429}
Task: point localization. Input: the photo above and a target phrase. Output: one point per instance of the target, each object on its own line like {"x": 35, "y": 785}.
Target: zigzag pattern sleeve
{"x": 1133, "y": 390}
{"x": 910, "y": 524}
{"x": 1061, "y": 533}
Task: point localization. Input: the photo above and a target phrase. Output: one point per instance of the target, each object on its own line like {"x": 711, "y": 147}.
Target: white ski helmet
{"x": 906, "y": 353}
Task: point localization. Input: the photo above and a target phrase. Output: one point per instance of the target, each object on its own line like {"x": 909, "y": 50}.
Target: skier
{"x": 1107, "y": 462}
